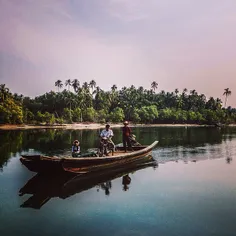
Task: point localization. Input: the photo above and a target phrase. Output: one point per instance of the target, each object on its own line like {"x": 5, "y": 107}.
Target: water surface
{"x": 191, "y": 192}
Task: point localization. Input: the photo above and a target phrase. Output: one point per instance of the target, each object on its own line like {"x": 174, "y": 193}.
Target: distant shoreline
{"x": 79, "y": 126}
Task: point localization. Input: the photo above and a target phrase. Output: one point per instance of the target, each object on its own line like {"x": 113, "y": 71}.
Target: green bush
{"x": 89, "y": 114}
{"x": 148, "y": 114}
{"x": 77, "y": 114}
{"x": 117, "y": 115}
{"x": 67, "y": 115}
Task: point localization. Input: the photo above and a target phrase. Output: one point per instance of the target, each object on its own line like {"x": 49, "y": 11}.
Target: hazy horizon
{"x": 179, "y": 44}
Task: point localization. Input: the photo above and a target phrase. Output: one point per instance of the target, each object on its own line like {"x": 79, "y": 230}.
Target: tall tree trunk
{"x": 226, "y": 99}
{"x": 70, "y": 113}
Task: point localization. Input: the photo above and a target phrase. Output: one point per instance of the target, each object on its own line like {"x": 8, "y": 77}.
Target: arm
{"x": 111, "y": 134}
{"x": 129, "y": 130}
{"x": 102, "y": 134}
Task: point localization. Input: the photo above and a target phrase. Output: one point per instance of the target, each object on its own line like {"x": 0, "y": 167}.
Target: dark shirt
{"x": 126, "y": 131}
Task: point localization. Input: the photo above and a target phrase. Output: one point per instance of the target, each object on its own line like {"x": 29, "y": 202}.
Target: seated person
{"x": 107, "y": 133}
{"x": 133, "y": 140}
{"x": 75, "y": 149}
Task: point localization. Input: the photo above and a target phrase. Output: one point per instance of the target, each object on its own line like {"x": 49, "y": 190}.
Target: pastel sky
{"x": 178, "y": 43}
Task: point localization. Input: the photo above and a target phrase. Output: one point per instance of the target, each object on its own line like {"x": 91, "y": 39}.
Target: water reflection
{"x": 106, "y": 187}
{"x": 43, "y": 187}
{"x": 174, "y": 143}
{"x": 126, "y": 180}
{"x": 229, "y": 160}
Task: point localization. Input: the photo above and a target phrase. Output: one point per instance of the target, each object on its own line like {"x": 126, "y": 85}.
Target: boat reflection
{"x": 44, "y": 187}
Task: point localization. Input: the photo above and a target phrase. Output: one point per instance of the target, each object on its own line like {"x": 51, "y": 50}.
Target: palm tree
{"x": 68, "y": 83}
{"x": 92, "y": 84}
{"x": 154, "y": 85}
{"x": 184, "y": 99}
{"x": 98, "y": 99}
{"x": 75, "y": 84}
{"x": 140, "y": 89}
{"x": 218, "y": 103}
{"x": 193, "y": 92}
{"x": 227, "y": 93}
{"x": 85, "y": 86}
{"x": 97, "y": 90}
{"x": 70, "y": 100}
{"x": 4, "y": 92}
{"x": 58, "y": 84}
{"x": 114, "y": 87}
{"x": 18, "y": 98}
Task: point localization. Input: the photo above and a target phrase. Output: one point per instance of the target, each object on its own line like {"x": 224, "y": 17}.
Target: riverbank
{"x": 92, "y": 126}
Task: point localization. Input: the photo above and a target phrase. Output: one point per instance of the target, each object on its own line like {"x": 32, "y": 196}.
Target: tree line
{"x": 87, "y": 102}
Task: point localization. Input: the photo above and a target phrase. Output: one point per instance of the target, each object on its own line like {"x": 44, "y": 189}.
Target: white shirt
{"x": 107, "y": 133}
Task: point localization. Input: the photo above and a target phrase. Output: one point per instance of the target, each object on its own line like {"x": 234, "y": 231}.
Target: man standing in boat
{"x": 126, "y": 132}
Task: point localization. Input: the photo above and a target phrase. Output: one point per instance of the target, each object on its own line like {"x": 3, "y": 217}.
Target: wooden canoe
{"x": 46, "y": 164}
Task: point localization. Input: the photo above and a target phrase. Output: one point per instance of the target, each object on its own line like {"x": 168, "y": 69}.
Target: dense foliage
{"x": 90, "y": 103}
{"x": 10, "y": 107}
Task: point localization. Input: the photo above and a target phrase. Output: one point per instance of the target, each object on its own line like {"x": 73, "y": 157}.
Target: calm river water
{"x": 192, "y": 191}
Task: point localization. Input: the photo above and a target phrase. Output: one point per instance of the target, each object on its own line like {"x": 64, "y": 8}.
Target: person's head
{"x": 107, "y": 126}
{"x": 126, "y": 123}
{"x": 76, "y": 143}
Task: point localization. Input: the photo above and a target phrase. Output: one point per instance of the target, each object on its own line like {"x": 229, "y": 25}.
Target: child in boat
{"x": 75, "y": 149}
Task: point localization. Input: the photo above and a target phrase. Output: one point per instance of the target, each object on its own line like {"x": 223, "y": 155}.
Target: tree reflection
{"x": 58, "y": 142}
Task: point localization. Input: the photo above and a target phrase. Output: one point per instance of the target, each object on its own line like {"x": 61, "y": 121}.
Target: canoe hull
{"x": 44, "y": 164}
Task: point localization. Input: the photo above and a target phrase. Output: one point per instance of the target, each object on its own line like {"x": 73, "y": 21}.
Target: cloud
{"x": 127, "y": 10}
{"x": 179, "y": 44}
{"x": 67, "y": 50}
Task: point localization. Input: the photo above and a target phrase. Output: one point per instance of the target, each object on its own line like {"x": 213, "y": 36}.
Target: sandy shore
{"x": 92, "y": 126}
{"x": 64, "y": 126}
